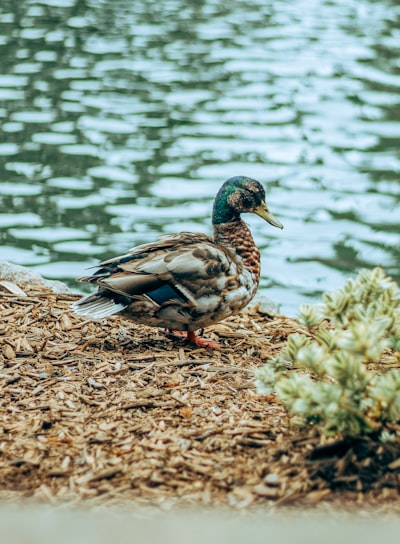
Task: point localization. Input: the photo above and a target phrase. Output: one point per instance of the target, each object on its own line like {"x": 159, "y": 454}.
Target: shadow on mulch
{"x": 109, "y": 412}
{"x": 358, "y": 464}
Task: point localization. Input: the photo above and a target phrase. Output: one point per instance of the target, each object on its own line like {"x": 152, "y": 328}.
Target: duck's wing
{"x": 166, "y": 243}
{"x": 177, "y": 269}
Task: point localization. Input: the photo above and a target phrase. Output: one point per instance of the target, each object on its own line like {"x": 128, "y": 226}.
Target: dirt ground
{"x": 111, "y": 412}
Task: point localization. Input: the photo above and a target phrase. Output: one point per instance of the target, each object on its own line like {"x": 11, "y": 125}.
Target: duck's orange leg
{"x": 191, "y": 337}
{"x": 201, "y": 342}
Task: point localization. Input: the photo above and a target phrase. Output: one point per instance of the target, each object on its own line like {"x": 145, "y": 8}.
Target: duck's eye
{"x": 247, "y": 201}
{"x": 251, "y": 199}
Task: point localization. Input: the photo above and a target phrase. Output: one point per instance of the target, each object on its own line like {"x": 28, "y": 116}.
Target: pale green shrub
{"x": 335, "y": 373}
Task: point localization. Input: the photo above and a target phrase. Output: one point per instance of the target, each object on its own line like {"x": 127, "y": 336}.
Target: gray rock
{"x": 21, "y": 274}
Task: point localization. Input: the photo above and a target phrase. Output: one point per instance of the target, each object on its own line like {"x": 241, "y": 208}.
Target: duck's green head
{"x": 241, "y": 195}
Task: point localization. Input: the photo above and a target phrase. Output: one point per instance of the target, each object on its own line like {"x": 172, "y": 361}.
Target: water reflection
{"x": 121, "y": 119}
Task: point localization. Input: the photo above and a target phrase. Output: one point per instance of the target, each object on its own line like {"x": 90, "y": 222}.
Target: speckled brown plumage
{"x": 187, "y": 281}
{"x": 237, "y": 234}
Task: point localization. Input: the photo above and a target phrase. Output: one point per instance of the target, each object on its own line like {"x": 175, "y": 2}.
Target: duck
{"x": 187, "y": 281}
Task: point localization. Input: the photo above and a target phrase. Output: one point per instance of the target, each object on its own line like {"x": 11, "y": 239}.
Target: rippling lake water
{"x": 121, "y": 119}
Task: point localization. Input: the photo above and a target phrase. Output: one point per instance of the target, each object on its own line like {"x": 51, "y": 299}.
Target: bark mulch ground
{"x": 111, "y": 412}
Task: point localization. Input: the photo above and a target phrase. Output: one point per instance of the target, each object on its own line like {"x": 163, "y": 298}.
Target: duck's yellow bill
{"x": 264, "y": 212}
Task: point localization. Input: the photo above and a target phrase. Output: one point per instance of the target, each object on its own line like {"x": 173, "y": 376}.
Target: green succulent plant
{"x": 334, "y": 374}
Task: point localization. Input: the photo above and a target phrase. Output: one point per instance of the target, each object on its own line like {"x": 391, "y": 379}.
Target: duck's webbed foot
{"x": 192, "y": 338}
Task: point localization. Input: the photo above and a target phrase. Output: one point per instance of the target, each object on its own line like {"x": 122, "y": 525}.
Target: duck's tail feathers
{"x": 97, "y": 307}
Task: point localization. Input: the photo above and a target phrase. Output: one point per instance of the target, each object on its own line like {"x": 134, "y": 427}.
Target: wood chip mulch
{"x": 111, "y": 412}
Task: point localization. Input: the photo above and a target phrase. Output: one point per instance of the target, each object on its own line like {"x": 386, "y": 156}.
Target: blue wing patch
{"x": 164, "y": 294}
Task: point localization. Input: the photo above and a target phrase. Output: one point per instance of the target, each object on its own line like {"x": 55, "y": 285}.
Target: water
{"x": 120, "y": 120}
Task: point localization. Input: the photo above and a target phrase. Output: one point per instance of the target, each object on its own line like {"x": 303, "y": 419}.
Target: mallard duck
{"x": 187, "y": 281}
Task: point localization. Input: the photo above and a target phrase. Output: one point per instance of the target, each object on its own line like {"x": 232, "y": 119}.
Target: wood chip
{"x": 395, "y": 464}
{"x": 12, "y": 288}
{"x": 8, "y": 352}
